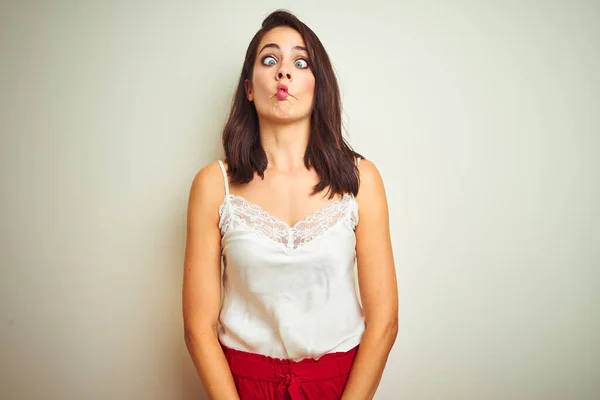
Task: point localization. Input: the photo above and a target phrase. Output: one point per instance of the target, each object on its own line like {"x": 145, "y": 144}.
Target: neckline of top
{"x": 307, "y": 219}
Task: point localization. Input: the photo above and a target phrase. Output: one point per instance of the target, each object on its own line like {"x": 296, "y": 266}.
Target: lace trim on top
{"x": 238, "y": 209}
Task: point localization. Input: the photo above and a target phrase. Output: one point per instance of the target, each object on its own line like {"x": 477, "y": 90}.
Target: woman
{"x": 282, "y": 211}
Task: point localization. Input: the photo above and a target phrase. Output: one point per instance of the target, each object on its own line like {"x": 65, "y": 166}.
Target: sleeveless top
{"x": 289, "y": 292}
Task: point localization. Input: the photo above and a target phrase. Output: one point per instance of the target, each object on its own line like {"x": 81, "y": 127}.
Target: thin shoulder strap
{"x": 224, "y": 177}
{"x": 357, "y": 161}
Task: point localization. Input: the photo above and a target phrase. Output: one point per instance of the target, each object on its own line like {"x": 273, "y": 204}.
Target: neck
{"x": 285, "y": 144}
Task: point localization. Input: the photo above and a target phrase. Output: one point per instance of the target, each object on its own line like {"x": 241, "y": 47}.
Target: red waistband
{"x": 264, "y": 368}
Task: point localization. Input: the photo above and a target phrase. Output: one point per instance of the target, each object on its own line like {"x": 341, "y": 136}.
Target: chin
{"x": 289, "y": 115}
{"x": 282, "y": 115}
{"x": 287, "y": 118}
{"x": 281, "y": 119}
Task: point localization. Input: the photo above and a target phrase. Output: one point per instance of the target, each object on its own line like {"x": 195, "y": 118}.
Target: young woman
{"x": 289, "y": 211}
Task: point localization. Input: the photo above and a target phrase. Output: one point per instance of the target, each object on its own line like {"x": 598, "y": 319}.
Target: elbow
{"x": 391, "y": 328}
{"x": 394, "y": 328}
{"x": 195, "y": 334}
{"x": 385, "y": 330}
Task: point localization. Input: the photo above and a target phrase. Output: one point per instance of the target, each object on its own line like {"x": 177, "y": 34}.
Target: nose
{"x": 283, "y": 73}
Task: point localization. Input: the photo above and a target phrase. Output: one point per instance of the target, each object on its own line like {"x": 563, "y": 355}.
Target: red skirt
{"x": 265, "y": 378}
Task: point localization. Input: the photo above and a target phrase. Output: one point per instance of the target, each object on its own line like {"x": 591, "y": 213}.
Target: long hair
{"x": 327, "y": 152}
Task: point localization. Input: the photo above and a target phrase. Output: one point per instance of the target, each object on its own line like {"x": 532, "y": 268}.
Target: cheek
{"x": 261, "y": 81}
{"x": 309, "y": 85}
{"x": 311, "y": 91}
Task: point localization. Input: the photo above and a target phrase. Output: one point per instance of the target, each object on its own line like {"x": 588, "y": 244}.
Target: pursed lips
{"x": 282, "y": 92}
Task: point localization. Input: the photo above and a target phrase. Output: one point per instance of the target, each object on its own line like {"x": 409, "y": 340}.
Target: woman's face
{"x": 283, "y": 85}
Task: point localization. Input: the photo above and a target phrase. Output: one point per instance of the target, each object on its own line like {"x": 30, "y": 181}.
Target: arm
{"x": 201, "y": 295}
{"x": 377, "y": 283}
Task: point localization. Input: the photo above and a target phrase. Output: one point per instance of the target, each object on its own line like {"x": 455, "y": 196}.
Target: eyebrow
{"x": 276, "y": 46}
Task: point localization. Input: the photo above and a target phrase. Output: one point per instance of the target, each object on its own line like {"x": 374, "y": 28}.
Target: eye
{"x": 301, "y": 63}
{"x": 268, "y": 60}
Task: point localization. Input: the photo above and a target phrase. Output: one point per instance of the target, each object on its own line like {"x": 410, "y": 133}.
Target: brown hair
{"x": 327, "y": 151}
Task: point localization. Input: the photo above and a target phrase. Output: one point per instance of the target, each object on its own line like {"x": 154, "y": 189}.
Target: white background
{"x": 483, "y": 118}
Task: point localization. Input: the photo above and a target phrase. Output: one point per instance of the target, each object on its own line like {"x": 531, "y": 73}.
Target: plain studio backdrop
{"x": 482, "y": 118}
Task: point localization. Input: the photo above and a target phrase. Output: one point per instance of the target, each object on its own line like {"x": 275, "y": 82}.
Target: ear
{"x": 248, "y": 88}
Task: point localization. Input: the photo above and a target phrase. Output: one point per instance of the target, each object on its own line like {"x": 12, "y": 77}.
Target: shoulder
{"x": 370, "y": 177}
{"x": 371, "y": 190}
{"x": 208, "y": 187}
{"x": 209, "y": 178}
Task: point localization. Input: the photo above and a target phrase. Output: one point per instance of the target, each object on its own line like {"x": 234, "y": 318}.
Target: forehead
{"x": 283, "y": 36}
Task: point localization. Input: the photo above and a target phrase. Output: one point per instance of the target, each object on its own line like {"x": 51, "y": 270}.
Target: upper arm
{"x": 201, "y": 294}
{"x": 376, "y": 270}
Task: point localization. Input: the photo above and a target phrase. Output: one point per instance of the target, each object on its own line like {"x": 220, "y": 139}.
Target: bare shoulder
{"x": 371, "y": 189}
{"x": 209, "y": 175}
{"x": 207, "y": 189}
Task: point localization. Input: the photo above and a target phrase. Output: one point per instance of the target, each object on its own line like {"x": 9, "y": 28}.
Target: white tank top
{"x": 289, "y": 292}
